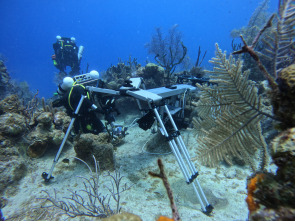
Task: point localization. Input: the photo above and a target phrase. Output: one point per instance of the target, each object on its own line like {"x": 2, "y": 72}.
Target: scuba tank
{"x": 80, "y": 52}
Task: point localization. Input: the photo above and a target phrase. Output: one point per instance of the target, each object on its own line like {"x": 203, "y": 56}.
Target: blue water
{"x": 109, "y": 30}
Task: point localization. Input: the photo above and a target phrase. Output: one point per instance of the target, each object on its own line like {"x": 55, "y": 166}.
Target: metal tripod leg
{"x": 181, "y": 153}
{"x": 47, "y": 176}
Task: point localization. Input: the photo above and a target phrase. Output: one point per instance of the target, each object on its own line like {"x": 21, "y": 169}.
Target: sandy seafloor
{"x": 225, "y": 187}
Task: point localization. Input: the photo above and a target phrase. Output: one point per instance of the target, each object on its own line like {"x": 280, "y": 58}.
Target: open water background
{"x": 109, "y": 30}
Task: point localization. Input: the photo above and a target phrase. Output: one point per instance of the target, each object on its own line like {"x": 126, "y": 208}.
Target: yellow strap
{"x": 69, "y": 97}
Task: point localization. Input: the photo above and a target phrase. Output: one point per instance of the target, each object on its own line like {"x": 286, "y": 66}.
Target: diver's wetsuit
{"x": 86, "y": 119}
{"x": 66, "y": 53}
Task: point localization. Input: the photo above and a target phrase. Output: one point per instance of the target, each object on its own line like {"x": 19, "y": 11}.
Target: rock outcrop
{"x": 89, "y": 145}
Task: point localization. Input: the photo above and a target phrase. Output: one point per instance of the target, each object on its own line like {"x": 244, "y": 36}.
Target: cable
{"x": 133, "y": 124}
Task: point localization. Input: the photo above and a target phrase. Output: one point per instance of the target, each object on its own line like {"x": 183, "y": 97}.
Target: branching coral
{"x": 276, "y": 192}
{"x": 197, "y": 70}
{"x": 90, "y": 201}
{"x": 30, "y": 109}
{"x": 281, "y": 46}
{"x": 256, "y": 22}
{"x": 253, "y": 54}
{"x": 281, "y": 51}
{"x": 163, "y": 177}
{"x": 169, "y": 51}
{"x": 122, "y": 71}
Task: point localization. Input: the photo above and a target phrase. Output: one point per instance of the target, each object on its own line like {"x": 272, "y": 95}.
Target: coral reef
{"x": 4, "y": 80}
{"x": 37, "y": 148}
{"x": 89, "y": 145}
{"x": 11, "y": 104}
{"x": 23, "y": 130}
{"x": 12, "y": 124}
{"x": 29, "y": 126}
{"x": 280, "y": 51}
{"x": 92, "y": 201}
{"x": 282, "y": 107}
{"x": 9, "y": 86}
{"x": 271, "y": 196}
{"x": 283, "y": 155}
{"x": 12, "y": 166}
{"x": 12, "y": 127}
{"x": 197, "y": 70}
{"x": 169, "y": 50}
{"x": 61, "y": 120}
{"x": 45, "y": 119}
{"x": 23, "y": 91}
{"x": 117, "y": 74}
{"x": 43, "y": 135}
{"x": 229, "y": 115}
{"x": 251, "y": 187}
{"x": 256, "y": 22}
{"x": 152, "y": 74}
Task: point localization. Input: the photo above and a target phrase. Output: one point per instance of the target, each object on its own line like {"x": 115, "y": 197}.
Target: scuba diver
{"x": 67, "y": 54}
{"x": 70, "y": 94}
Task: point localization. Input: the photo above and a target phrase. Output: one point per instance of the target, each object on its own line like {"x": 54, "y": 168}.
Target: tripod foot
{"x": 45, "y": 177}
{"x": 209, "y": 209}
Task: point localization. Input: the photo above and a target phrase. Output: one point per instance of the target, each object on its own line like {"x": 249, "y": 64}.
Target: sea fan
{"x": 280, "y": 43}
{"x": 232, "y": 111}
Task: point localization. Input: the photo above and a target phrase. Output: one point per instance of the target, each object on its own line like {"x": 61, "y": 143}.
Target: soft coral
{"x": 164, "y": 218}
{"x": 252, "y": 185}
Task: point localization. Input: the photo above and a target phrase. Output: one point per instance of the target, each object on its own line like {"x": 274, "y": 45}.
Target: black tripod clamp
{"x": 45, "y": 177}
{"x": 209, "y": 209}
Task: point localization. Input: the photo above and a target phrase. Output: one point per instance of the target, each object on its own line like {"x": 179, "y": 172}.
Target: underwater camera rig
{"x": 161, "y": 103}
